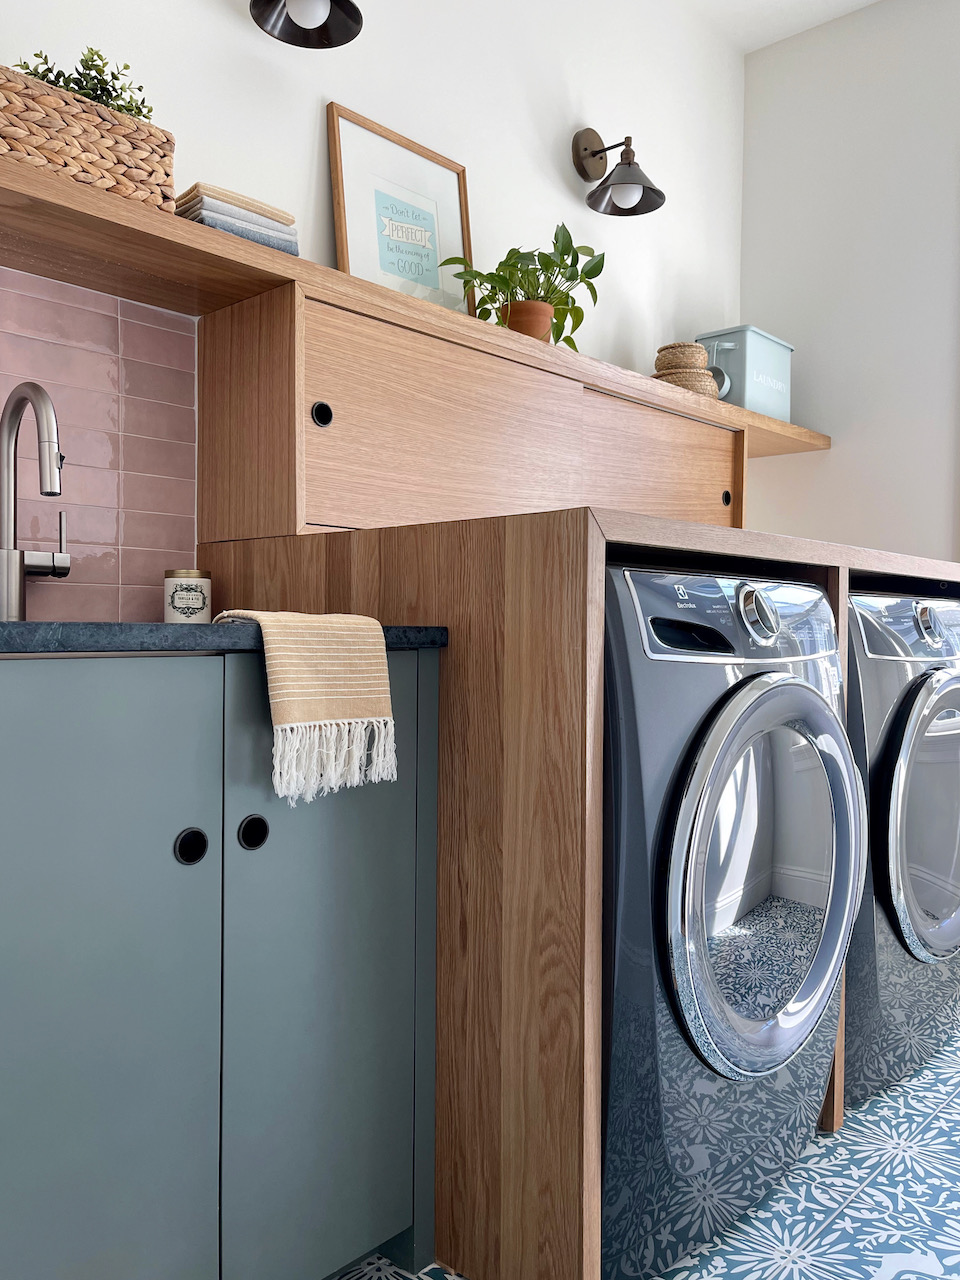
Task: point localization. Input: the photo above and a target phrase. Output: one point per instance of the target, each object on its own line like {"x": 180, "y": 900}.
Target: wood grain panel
{"x": 594, "y": 568}
{"x": 250, "y": 478}
{"x": 831, "y": 1115}
{"x": 424, "y": 430}
{"x": 543, "y": 1066}
{"x": 641, "y": 459}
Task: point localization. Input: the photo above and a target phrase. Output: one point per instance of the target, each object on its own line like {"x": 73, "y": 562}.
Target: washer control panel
{"x": 693, "y": 617}
{"x": 908, "y": 628}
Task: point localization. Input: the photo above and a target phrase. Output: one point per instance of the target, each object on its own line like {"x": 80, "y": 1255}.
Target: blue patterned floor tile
{"x": 880, "y": 1200}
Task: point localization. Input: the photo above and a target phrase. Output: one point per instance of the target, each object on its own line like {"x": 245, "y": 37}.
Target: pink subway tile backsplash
{"x": 158, "y": 346}
{"x": 38, "y": 521}
{"x": 160, "y": 494}
{"x": 122, "y": 379}
{"x": 160, "y": 421}
{"x": 141, "y": 568}
{"x": 81, "y": 486}
{"x": 54, "y": 322}
{"x": 68, "y": 601}
{"x": 141, "y": 604}
{"x": 159, "y": 457}
{"x": 45, "y": 361}
{"x": 80, "y": 446}
{"x": 39, "y": 287}
{"x": 98, "y": 565}
{"x": 76, "y": 407}
{"x": 158, "y": 318}
{"x": 155, "y": 382}
{"x": 145, "y": 529}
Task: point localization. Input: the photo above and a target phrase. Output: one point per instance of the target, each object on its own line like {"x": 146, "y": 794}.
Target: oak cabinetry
{"x": 640, "y": 459}
{"x": 426, "y": 430}
{"x": 421, "y": 429}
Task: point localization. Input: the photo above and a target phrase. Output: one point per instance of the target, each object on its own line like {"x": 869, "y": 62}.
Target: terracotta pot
{"x": 532, "y": 318}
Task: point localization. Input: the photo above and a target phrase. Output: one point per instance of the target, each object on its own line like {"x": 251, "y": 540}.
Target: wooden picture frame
{"x": 380, "y": 177}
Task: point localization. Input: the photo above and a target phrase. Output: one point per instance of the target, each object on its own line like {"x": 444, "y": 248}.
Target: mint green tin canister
{"x": 758, "y": 366}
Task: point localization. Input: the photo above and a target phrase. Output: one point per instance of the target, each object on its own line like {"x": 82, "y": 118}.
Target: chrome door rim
{"x": 732, "y": 1045}
{"x": 930, "y": 693}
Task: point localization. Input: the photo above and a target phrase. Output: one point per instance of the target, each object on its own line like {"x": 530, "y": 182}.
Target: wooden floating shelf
{"x": 67, "y": 231}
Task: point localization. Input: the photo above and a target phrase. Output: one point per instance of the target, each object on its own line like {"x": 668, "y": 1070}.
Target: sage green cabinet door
{"x": 318, "y": 1003}
{"x": 109, "y": 968}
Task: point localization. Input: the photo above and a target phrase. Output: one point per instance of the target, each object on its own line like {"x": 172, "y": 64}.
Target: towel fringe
{"x": 322, "y": 757}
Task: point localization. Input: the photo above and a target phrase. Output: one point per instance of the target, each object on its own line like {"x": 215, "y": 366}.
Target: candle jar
{"x": 186, "y": 596}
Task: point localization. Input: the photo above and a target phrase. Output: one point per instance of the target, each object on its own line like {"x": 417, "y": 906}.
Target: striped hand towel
{"x": 329, "y": 700}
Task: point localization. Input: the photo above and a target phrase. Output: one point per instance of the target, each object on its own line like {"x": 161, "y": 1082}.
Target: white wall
{"x": 500, "y": 85}
{"x": 851, "y": 250}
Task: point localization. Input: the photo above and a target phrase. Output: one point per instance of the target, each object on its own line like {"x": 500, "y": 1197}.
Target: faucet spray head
{"x": 51, "y": 463}
{"x": 48, "y": 439}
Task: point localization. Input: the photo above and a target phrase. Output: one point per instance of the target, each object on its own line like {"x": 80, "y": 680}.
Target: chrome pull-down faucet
{"x": 15, "y": 565}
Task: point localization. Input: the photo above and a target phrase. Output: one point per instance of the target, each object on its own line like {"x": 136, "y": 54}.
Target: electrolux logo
{"x": 681, "y": 591}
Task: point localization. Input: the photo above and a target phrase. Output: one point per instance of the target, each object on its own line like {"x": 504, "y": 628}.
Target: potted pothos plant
{"x": 531, "y": 290}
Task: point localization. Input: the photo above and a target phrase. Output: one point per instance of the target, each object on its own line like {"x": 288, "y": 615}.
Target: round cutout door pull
{"x": 253, "y": 832}
{"x": 321, "y": 413}
{"x": 190, "y": 846}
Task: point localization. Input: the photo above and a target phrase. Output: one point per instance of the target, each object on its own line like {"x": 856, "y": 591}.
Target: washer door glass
{"x": 922, "y": 808}
{"x": 765, "y": 869}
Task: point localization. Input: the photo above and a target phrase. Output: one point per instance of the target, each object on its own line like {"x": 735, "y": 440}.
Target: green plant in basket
{"x": 536, "y": 275}
{"x": 93, "y": 78}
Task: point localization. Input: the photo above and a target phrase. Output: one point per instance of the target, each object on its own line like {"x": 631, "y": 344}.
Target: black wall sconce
{"x": 626, "y": 190}
{"x": 312, "y": 24}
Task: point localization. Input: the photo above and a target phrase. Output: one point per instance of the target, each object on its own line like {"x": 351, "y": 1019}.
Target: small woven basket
{"x": 698, "y": 380}
{"x": 681, "y": 355}
{"x": 62, "y": 132}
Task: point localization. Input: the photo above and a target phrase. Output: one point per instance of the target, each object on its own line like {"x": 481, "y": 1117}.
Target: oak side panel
{"x": 543, "y": 879}
{"x": 472, "y": 850}
{"x": 425, "y": 430}
{"x": 831, "y": 1115}
{"x": 249, "y": 436}
{"x": 594, "y": 567}
{"x": 642, "y": 459}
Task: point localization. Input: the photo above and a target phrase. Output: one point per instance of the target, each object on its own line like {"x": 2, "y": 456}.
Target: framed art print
{"x": 399, "y": 209}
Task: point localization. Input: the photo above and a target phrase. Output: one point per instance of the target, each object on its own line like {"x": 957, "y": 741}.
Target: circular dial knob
{"x": 928, "y": 624}
{"x": 759, "y": 614}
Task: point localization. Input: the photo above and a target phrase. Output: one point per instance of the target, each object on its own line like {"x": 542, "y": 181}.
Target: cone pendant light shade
{"x": 312, "y": 24}
{"x": 626, "y": 190}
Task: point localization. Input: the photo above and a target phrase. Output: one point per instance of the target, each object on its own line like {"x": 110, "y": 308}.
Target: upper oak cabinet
{"x": 317, "y": 416}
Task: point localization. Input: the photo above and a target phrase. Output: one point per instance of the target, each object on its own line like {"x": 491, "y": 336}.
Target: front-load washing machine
{"x": 734, "y": 833}
{"x": 903, "y": 974}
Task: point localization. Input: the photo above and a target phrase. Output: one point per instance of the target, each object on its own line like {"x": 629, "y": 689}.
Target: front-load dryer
{"x": 734, "y": 832}
{"x": 903, "y": 974}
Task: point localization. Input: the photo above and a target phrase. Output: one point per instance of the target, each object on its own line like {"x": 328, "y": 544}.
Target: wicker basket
{"x": 681, "y": 355}
{"x": 65, "y": 133}
{"x": 698, "y": 380}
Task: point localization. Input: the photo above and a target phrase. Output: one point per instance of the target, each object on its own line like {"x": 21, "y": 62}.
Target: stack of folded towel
{"x": 228, "y": 211}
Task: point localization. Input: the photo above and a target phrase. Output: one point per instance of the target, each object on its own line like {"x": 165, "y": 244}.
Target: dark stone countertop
{"x": 161, "y": 637}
